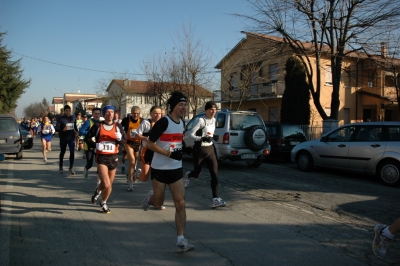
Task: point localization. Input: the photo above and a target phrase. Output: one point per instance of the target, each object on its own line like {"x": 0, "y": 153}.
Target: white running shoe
{"x": 45, "y": 159}
{"x": 187, "y": 178}
{"x": 130, "y": 188}
{"x": 146, "y": 201}
{"x": 184, "y": 246}
{"x": 381, "y": 243}
{"x": 136, "y": 174}
{"x": 71, "y": 172}
{"x": 217, "y": 202}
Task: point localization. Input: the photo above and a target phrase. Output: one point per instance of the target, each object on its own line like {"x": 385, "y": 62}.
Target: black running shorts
{"x": 134, "y": 145}
{"x": 167, "y": 176}
{"x": 109, "y": 160}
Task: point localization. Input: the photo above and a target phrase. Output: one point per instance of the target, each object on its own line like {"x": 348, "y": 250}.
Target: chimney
{"x": 127, "y": 82}
{"x": 383, "y": 50}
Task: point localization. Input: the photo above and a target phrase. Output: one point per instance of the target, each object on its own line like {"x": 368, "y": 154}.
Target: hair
{"x": 67, "y": 107}
{"x": 135, "y": 108}
{"x": 96, "y": 109}
{"x": 154, "y": 107}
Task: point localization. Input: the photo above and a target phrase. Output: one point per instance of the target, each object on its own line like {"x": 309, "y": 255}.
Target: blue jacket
{"x": 86, "y": 126}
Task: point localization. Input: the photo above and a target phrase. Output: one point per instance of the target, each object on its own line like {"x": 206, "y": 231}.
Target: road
{"x": 276, "y": 215}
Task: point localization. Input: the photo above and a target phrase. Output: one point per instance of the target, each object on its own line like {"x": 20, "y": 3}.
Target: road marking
{"x": 5, "y": 224}
{"x": 10, "y": 176}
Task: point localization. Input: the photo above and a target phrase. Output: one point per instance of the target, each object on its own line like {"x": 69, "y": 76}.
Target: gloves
{"x": 216, "y": 137}
{"x": 118, "y": 135}
{"x": 99, "y": 146}
{"x": 206, "y": 139}
{"x": 176, "y": 155}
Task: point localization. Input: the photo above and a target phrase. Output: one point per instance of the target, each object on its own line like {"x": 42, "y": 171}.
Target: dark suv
{"x": 10, "y": 136}
{"x": 283, "y": 138}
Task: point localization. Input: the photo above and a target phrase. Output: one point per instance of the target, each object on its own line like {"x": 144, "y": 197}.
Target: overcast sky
{"x": 72, "y": 44}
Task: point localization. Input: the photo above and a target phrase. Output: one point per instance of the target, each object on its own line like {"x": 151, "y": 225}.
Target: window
{"x": 243, "y": 121}
{"x": 220, "y": 121}
{"x": 394, "y": 133}
{"x": 273, "y": 72}
{"x": 369, "y": 133}
{"x": 328, "y": 75}
{"x": 340, "y": 135}
{"x": 234, "y": 81}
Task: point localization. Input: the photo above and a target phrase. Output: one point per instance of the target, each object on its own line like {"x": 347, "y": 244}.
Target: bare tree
{"x": 334, "y": 27}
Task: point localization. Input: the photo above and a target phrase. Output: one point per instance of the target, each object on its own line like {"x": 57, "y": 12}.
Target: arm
{"x": 84, "y": 128}
{"x": 198, "y": 124}
{"x": 159, "y": 127}
{"x": 143, "y": 128}
{"x": 90, "y": 134}
{"x": 123, "y": 139}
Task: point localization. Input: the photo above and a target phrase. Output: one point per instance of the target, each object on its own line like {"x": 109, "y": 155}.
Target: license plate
{"x": 294, "y": 142}
{"x": 249, "y": 156}
{"x": 2, "y": 141}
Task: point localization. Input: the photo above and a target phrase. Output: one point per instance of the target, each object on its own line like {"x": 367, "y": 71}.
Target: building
{"x": 252, "y": 78}
{"x": 123, "y": 94}
{"x": 85, "y": 101}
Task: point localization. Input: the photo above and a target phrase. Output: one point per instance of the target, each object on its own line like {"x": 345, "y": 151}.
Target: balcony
{"x": 257, "y": 91}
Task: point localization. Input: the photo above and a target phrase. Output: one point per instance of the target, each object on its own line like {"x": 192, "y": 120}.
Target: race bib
{"x": 45, "y": 131}
{"x": 175, "y": 147}
{"x": 70, "y": 126}
{"x": 108, "y": 146}
{"x": 133, "y": 133}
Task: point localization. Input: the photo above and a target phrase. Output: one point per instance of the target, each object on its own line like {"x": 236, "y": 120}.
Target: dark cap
{"x": 176, "y": 97}
{"x": 210, "y": 105}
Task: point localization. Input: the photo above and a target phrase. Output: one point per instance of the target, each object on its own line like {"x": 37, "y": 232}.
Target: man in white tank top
{"x": 165, "y": 140}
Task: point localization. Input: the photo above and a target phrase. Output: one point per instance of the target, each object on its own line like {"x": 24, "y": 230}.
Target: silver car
{"x": 242, "y": 136}
{"x": 10, "y": 137}
{"x": 369, "y": 147}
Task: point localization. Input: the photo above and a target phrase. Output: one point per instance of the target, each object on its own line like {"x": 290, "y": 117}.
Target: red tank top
{"x": 108, "y": 139}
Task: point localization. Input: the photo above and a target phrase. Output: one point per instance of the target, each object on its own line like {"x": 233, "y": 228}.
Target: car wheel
{"x": 304, "y": 161}
{"x": 389, "y": 173}
{"x": 254, "y": 163}
{"x": 255, "y": 138}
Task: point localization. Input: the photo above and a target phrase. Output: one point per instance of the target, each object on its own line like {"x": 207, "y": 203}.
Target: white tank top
{"x": 171, "y": 140}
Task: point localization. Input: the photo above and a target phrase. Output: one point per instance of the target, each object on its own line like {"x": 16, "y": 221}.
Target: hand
{"x": 206, "y": 139}
{"x": 216, "y": 137}
{"x": 99, "y": 146}
{"x": 118, "y": 135}
{"x": 176, "y": 155}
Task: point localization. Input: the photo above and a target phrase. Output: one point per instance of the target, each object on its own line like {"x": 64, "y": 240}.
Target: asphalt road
{"x": 276, "y": 215}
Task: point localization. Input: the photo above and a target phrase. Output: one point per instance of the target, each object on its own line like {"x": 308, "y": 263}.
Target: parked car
{"x": 27, "y": 139}
{"x": 283, "y": 138}
{"x": 10, "y": 136}
{"x": 369, "y": 147}
{"x": 242, "y": 136}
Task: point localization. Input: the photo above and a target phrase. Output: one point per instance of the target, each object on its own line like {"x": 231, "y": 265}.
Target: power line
{"x": 82, "y": 68}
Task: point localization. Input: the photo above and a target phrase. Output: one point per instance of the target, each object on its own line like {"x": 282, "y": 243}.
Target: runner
{"x": 204, "y": 151}
{"x": 130, "y": 125}
{"x": 79, "y": 123}
{"x": 166, "y": 167}
{"x": 89, "y": 152}
{"x": 67, "y": 131}
{"x": 108, "y": 136}
{"x": 142, "y": 135}
{"x": 46, "y": 130}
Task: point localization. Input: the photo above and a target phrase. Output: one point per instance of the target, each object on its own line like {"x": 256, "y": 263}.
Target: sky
{"x": 68, "y": 46}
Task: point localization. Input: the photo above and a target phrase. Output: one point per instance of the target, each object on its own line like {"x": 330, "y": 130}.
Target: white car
{"x": 369, "y": 147}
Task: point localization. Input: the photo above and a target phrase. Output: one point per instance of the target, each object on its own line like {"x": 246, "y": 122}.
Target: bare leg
{"x": 394, "y": 228}
{"x": 178, "y": 195}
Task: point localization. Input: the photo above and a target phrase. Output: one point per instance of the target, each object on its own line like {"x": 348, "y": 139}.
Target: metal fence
{"x": 312, "y": 132}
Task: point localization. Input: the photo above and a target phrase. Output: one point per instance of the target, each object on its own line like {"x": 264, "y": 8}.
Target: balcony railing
{"x": 265, "y": 90}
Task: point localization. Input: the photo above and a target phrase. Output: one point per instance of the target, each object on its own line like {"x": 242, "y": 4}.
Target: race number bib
{"x": 133, "y": 133}
{"x": 175, "y": 147}
{"x": 108, "y": 146}
{"x": 69, "y": 126}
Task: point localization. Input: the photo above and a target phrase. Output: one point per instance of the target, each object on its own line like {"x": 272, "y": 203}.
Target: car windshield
{"x": 7, "y": 125}
{"x": 241, "y": 121}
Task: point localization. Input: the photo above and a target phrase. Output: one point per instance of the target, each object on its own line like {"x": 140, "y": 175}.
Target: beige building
{"x": 123, "y": 94}
{"x": 87, "y": 101}
{"x": 257, "y": 64}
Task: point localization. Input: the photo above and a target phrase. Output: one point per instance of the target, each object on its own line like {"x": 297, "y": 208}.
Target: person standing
{"x": 46, "y": 130}
{"x": 384, "y": 234}
{"x": 67, "y": 130}
{"x": 79, "y": 123}
{"x": 130, "y": 125}
{"x": 108, "y": 136}
{"x": 89, "y": 152}
{"x": 203, "y": 150}
{"x": 166, "y": 167}
{"x": 34, "y": 126}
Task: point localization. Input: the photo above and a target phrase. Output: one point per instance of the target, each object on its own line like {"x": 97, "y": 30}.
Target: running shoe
{"x": 130, "y": 188}
{"x": 95, "y": 196}
{"x": 381, "y": 243}
{"x": 71, "y": 172}
{"x": 187, "y": 178}
{"x": 184, "y": 246}
{"x": 85, "y": 172}
{"x": 136, "y": 175}
{"x": 217, "y": 202}
{"x": 61, "y": 170}
{"x": 146, "y": 201}
{"x": 104, "y": 208}
{"x": 45, "y": 159}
